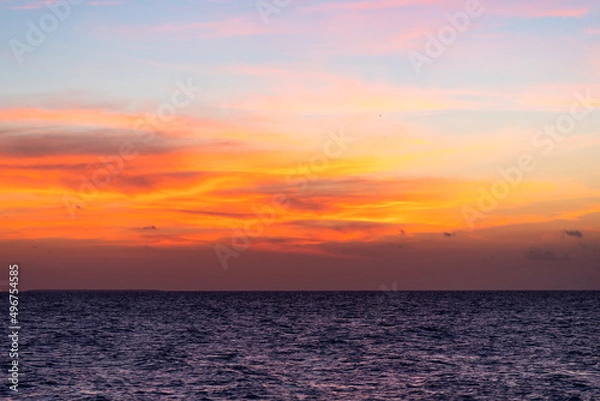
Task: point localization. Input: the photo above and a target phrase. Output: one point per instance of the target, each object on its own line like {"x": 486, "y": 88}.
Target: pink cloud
{"x": 593, "y": 31}
{"x": 542, "y": 9}
{"x": 370, "y": 5}
{"x": 563, "y": 13}
{"x": 232, "y": 27}
{"x": 35, "y": 5}
{"x": 527, "y": 9}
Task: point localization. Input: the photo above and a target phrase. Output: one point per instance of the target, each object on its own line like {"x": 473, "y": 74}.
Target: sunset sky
{"x": 239, "y": 145}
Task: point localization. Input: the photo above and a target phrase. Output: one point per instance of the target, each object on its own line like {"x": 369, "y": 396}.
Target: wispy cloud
{"x": 573, "y": 233}
{"x": 547, "y": 255}
{"x": 35, "y": 5}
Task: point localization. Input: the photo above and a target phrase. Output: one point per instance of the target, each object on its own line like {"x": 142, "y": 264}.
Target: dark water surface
{"x": 309, "y": 346}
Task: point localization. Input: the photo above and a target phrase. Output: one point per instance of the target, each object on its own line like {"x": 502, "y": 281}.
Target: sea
{"x": 380, "y": 345}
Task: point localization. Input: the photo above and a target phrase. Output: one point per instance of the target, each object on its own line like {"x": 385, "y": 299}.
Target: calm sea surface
{"x": 308, "y": 346}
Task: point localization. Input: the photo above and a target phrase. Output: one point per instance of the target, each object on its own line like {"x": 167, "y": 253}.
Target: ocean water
{"x": 308, "y": 346}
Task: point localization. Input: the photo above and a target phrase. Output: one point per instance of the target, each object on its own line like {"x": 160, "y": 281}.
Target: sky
{"x": 300, "y": 145}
